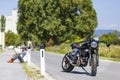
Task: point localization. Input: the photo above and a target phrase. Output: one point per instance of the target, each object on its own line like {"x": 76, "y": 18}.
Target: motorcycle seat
{"x": 75, "y": 45}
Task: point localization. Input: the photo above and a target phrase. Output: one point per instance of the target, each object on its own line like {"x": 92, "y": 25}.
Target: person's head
{"x": 24, "y": 49}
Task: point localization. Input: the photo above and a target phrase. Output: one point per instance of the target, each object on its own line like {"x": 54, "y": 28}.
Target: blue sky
{"x": 6, "y": 6}
{"x": 108, "y": 12}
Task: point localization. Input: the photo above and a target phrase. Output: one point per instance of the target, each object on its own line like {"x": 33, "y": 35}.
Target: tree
{"x": 55, "y": 21}
{"x": 111, "y": 38}
{"x": 3, "y": 21}
{"x": 12, "y": 39}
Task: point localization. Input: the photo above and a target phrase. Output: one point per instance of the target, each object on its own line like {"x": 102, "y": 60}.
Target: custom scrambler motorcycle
{"x": 80, "y": 56}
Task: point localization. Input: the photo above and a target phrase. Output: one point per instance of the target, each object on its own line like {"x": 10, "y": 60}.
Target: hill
{"x": 98, "y": 33}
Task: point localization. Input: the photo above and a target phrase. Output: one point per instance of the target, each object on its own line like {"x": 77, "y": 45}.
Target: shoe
{"x": 11, "y": 60}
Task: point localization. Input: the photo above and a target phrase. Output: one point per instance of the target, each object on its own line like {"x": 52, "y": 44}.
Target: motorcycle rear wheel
{"x": 66, "y": 66}
{"x": 93, "y": 64}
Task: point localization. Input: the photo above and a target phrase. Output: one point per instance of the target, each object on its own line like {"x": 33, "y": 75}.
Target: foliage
{"x": 62, "y": 49}
{"x": 111, "y": 38}
{"x": 112, "y": 52}
{"x": 56, "y": 21}
{"x": 2, "y": 20}
{"x": 12, "y": 39}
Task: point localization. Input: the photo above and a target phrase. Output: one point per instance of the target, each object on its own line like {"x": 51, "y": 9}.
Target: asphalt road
{"x": 106, "y": 71}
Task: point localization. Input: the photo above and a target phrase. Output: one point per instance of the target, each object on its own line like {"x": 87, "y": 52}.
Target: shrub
{"x": 111, "y": 38}
{"x": 63, "y": 48}
{"x": 113, "y": 51}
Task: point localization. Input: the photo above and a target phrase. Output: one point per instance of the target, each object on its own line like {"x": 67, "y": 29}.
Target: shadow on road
{"x": 77, "y": 72}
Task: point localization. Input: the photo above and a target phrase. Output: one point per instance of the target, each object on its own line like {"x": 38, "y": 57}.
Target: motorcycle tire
{"x": 66, "y": 66}
{"x": 93, "y": 64}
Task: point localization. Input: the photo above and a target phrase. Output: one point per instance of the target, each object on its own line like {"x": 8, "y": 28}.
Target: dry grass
{"x": 113, "y": 51}
{"x": 32, "y": 72}
{"x": 1, "y": 51}
{"x": 62, "y": 49}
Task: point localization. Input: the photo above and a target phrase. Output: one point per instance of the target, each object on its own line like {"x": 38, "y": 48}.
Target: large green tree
{"x": 55, "y": 21}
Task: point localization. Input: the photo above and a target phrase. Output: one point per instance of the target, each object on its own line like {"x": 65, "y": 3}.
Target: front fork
{"x": 97, "y": 58}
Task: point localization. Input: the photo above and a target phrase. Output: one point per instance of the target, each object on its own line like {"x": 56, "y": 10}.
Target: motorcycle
{"x": 83, "y": 54}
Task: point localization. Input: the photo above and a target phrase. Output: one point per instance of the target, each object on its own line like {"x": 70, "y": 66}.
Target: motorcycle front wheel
{"x": 93, "y": 64}
{"x": 66, "y": 66}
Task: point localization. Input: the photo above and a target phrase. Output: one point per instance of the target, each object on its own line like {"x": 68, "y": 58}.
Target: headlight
{"x": 94, "y": 44}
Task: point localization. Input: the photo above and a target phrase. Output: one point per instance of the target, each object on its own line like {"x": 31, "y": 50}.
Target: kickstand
{"x": 84, "y": 69}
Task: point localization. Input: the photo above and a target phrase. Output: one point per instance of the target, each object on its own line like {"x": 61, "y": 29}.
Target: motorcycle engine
{"x": 74, "y": 55}
{"x": 74, "y": 58}
{"x": 85, "y": 52}
{"x": 79, "y": 58}
{"x": 84, "y": 57}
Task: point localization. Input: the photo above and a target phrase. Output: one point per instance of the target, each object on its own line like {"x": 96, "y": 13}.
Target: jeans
{"x": 19, "y": 56}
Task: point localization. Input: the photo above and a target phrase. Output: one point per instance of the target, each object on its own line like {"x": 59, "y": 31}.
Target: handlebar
{"x": 91, "y": 39}
{"x": 99, "y": 41}
{"x": 107, "y": 44}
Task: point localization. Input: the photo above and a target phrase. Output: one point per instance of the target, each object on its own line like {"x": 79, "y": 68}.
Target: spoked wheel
{"x": 93, "y": 64}
{"x": 66, "y": 66}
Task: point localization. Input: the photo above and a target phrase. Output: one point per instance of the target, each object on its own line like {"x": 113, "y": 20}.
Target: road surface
{"x": 106, "y": 71}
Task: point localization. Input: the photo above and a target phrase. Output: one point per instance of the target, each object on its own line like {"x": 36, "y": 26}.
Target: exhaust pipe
{"x": 71, "y": 62}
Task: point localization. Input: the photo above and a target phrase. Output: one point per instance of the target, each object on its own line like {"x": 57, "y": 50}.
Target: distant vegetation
{"x": 111, "y": 38}
{"x": 100, "y": 32}
{"x": 12, "y": 39}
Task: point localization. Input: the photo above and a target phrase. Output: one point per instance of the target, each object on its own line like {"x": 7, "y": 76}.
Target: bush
{"x": 12, "y": 39}
{"x": 63, "y": 48}
{"x": 111, "y": 38}
{"x": 112, "y": 52}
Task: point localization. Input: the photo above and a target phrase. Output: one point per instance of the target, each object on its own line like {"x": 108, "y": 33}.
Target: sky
{"x": 108, "y": 12}
{"x": 6, "y": 6}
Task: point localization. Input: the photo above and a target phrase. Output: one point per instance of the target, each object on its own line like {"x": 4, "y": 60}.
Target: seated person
{"x": 19, "y": 56}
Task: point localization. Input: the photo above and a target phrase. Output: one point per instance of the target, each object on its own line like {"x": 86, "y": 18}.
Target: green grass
{"x": 32, "y": 72}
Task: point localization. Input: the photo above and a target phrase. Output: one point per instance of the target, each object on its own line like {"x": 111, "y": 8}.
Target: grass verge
{"x": 111, "y": 59}
{"x": 1, "y": 51}
{"x": 32, "y": 72}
